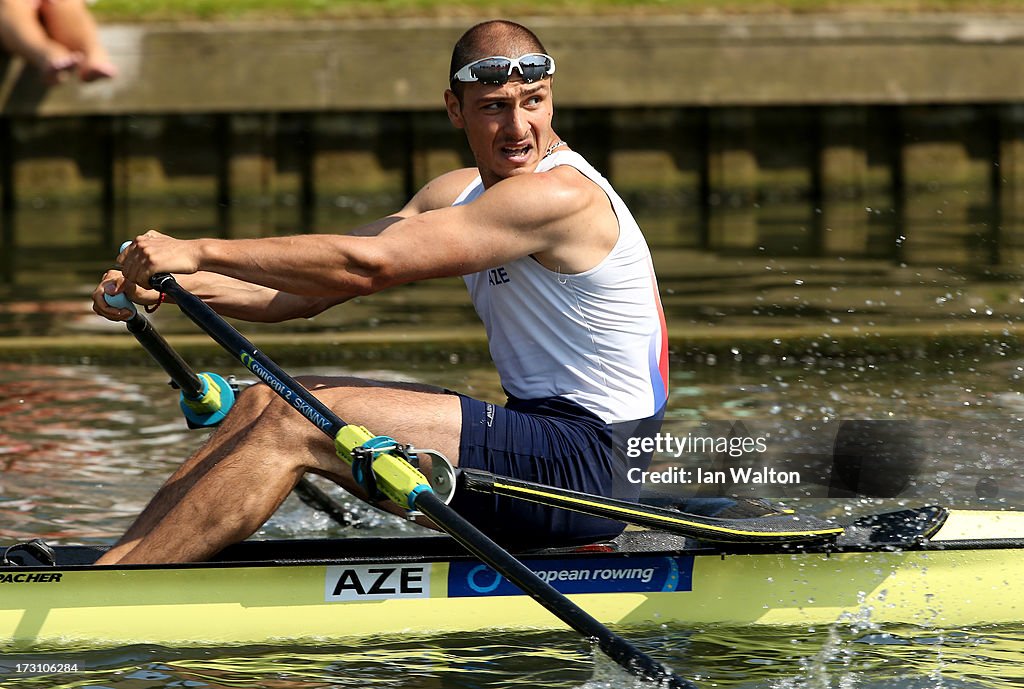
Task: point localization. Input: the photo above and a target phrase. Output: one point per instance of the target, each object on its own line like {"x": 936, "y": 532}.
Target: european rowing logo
{"x": 585, "y": 575}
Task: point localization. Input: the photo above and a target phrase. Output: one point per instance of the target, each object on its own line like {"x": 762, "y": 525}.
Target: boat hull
{"x": 965, "y": 576}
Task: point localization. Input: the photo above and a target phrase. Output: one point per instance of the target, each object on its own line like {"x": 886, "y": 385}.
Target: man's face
{"x": 508, "y": 126}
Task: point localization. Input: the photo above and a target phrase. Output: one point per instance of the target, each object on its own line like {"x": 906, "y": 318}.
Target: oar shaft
{"x": 153, "y": 342}
{"x": 170, "y": 361}
{"x": 262, "y": 366}
{"x": 427, "y": 502}
{"x": 613, "y": 645}
{"x": 193, "y": 388}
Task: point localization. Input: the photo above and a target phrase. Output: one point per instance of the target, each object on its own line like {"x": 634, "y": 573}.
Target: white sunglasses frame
{"x": 465, "y": 74}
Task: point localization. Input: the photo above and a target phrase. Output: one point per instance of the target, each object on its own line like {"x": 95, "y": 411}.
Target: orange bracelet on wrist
{"x": 150, "y": 308}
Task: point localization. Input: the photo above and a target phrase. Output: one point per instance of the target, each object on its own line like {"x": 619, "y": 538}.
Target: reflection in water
{"x": 764, "y": 272}
{"x": 76, "y": 445}
{"x": 743, "y": 658}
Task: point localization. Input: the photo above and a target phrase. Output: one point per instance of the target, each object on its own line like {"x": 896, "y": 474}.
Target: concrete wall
{"x": 663, "y": 61}
{"x": 884, "y": 137}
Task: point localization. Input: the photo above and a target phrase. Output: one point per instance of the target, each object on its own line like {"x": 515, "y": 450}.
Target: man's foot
{"x": 94, "y": 69}
{"x": 57, "y": 64}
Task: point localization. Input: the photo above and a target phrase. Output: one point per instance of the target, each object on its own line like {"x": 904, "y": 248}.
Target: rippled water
{"x": 82, "y": 448}
{"x": 742, "y": 658}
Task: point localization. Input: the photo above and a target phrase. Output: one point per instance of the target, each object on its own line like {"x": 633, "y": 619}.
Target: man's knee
{"x": 262, "y": 408}
{"x": 255, "y": 400}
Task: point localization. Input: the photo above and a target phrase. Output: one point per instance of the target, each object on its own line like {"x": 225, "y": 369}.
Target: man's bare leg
{"x": 233, "y": 430}
{"x": 225, "y": 492}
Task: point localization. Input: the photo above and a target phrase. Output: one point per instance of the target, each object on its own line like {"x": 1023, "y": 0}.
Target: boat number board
{"x": 377, "y": 582}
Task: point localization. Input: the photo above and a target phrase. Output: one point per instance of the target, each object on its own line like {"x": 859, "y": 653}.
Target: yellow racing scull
{"x": 926, "y": 567}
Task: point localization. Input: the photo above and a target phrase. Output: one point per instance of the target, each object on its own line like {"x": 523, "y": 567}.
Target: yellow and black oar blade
{"x": 779, "y": 528}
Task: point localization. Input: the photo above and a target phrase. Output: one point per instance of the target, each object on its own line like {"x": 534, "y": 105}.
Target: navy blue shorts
{"x": 552, "y": 441}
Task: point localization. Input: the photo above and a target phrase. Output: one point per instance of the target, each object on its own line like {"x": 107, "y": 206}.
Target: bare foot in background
{"x": 55, "y": 63}
{"x": 56, "y": 37}
{"x": 96, "y": 66}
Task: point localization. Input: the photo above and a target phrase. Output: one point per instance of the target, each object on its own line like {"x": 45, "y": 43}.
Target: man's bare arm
{"x": 240, "y": 298}
{"x": 227, "y": 296}
{"x": 556, "y": 212}
{"x": 251, "y": 302}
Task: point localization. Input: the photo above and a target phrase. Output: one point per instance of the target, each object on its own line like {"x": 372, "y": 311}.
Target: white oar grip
{"x": 120, "y": 301}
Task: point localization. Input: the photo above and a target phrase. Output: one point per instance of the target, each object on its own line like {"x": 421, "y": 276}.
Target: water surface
{"x": 83, "y": 447}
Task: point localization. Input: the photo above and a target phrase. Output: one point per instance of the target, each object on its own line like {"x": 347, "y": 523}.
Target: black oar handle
{"x": 190, "y": 384}
{"x": 153, "y": 342}
{"x": 427, "y": 502}
{"x": 193, "y": 388}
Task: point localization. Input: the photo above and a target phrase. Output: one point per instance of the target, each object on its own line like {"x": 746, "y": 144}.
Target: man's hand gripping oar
{"x": 206, "y": 398}
{"x": 381, "y": 458}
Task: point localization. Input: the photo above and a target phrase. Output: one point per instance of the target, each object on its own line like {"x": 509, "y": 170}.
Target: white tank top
{"x": 597, "y": 338}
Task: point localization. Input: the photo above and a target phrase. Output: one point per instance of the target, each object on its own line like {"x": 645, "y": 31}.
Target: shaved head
{"x": 497, "y": 37}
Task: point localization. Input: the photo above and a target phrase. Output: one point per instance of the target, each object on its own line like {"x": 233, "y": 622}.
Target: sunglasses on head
{"x": 497, "y": 69}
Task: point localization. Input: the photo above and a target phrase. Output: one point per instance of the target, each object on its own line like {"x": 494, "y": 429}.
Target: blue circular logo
{"x": 487, "y": 588}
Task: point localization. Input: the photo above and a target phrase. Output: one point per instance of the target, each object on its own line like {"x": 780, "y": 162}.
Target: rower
{"x": 557, "y": 268}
